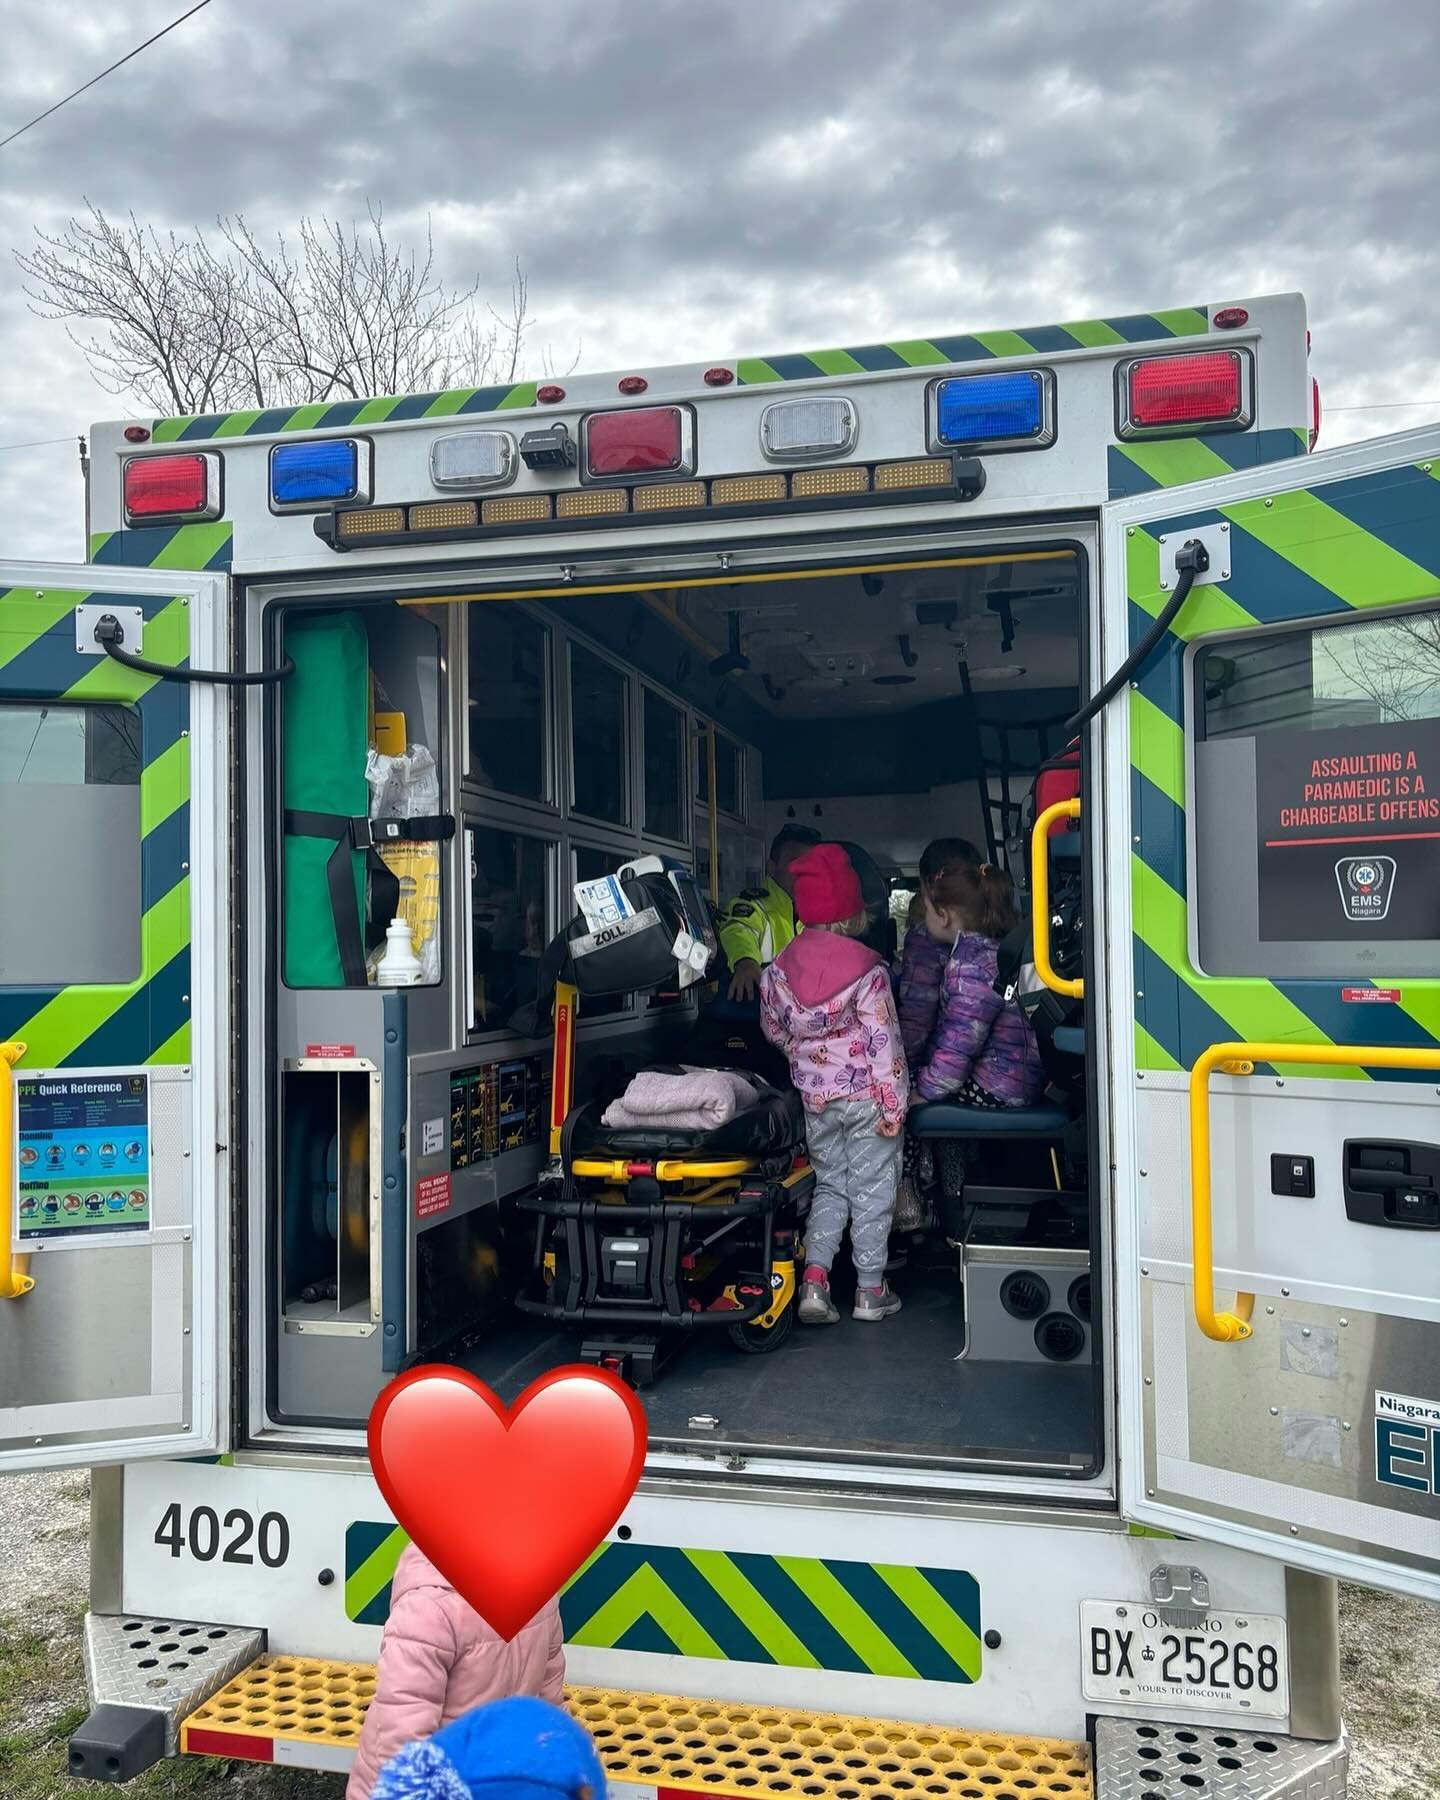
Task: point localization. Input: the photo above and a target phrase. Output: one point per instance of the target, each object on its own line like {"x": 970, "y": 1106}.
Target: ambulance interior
{"x": 568, "y": 735}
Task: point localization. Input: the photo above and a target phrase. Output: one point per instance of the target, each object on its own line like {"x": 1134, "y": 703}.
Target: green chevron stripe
{"x": 752, "y": 371}
{"x": 75, "y": 1013}
{"x": 236, "y": 424}
{"x": 753, "y": 1610}
{"x": 366, "y": 1583}
{"x": 643, "y": 1594}
{"x": 955, "y": 1636}
{"x": 164, "y": 785}
{"x": 1351, "y": 563}
{"x": 919, "y": 353}
{"x": 1157, "y": 747}
{"x": 25, "y": 616}
{"x": 1254, "y": 1009}
{"x": 845, "y": 1614}
{"x": 446, "y": 405}
{"x": 834, "y": 362}
{"x": 166, "y": 431}
{"x": 1173, "y": 461}
{"x": 1092, "y": 334}
{"x": 167, "y": 640}
{"x": 1183, "y": 321}
{"x": 1004, "y": 343}
{"x": 1152, "y": 1055}
{"x": 794, "y": 1612}
{"x": 519, "y": 397}
{"x": 175, "y": 1049}
{"x": 375, "y": 412}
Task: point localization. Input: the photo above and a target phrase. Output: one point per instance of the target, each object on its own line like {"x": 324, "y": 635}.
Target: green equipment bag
{"x": 325, "y": 731}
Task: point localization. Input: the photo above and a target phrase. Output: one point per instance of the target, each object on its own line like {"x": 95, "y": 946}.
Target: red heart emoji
{"x": 507, "y": 1503}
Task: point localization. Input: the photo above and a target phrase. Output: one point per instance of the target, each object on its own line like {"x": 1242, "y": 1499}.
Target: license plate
{"x": 1209, "y": 1662}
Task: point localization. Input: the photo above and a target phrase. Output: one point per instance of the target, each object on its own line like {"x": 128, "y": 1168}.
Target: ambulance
{"x": 299, "y": 775}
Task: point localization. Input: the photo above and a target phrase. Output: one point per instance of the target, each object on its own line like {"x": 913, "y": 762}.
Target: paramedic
{"x": 758, "y": 923}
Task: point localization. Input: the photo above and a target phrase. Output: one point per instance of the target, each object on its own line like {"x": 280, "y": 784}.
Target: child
{"x": 825, "y": 1002}
{"x": 438, "y": 1659}
{"x": 520, "y": 1749}
{"x": 982, "y": 1052}
{"x": 922, "y": 964}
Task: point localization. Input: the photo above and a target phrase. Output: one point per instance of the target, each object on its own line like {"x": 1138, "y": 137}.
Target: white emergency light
{"x": 473, "y": 459}
{"x": 798, "y": 430}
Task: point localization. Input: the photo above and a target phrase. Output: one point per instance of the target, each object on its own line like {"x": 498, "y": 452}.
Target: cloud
{"x": 759, "y": 175}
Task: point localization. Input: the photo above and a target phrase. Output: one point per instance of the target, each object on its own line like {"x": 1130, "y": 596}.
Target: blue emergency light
{"x": 324, "y": 472}
{"x": 1008, "y": 411}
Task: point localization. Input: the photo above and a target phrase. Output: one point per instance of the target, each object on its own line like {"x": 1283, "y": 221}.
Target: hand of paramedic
{"x": 744, "y": 979}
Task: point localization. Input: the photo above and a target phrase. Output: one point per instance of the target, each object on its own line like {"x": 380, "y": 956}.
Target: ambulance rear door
{"x": 114, "y": 1018}
{"x": 1270, "y": 823}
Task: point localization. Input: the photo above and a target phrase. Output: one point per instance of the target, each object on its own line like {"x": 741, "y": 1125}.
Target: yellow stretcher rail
{"x": 595, "y": 1168}
{"x": 1040, "y": 898}
{"x": 1240, "y": 1059}
{"x": 14, "y": 1277}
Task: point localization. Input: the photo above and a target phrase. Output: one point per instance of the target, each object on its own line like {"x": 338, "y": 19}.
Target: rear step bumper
{"x": 305, "y": 1712}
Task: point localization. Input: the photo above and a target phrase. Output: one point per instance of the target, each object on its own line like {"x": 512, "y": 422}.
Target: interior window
{"x": 664, "y": 768}
{"x": 509, "y": 921}
{"x": 70, "y": 817}
{"x": 727, "y": 775}
{"x": 600, "y": 737}
{"x": 508, "y": 662}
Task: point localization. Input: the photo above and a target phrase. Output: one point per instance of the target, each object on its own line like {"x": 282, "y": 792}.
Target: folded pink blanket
{"x": 698, "y": 1100}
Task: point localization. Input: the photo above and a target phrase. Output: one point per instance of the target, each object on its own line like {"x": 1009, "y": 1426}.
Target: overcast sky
{"x": 697, "y": 178}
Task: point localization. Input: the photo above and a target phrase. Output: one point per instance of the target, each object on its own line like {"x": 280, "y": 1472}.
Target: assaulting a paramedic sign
{"x": 1349, "y": 832}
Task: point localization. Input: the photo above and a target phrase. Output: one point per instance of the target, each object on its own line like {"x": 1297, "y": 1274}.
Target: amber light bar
{"x": 765, "y": 492}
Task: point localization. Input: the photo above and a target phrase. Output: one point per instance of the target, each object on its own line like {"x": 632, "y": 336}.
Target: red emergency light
{"x": 171, "y": 487}
{"x": 1166, "y": 394}
{"x": 644, "y": 440}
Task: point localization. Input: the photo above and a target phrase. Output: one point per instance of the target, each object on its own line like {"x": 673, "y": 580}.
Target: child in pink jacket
{"x": 826, "y": 1001}
{"x": 438, "y": 1659}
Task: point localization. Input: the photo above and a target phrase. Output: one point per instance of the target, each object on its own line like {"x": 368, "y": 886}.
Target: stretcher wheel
{"x": 754, "y": 1340}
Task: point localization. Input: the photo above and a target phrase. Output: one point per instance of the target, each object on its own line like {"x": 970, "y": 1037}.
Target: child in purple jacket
{"x": 923, "y": 959}
{"x": 982, "y": 1051}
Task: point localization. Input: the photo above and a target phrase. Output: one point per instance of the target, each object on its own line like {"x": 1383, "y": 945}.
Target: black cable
{"x": 103, "y": 73}
{"x": 1192, "y": 560}
{"x": 108, "y": 634}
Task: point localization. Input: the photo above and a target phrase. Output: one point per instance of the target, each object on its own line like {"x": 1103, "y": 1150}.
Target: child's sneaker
{"x": 816, "y": 1306}
{"x": 875, "y": 1303}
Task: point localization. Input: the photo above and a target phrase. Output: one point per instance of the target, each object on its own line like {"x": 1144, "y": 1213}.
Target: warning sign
{"x": 1349, "y": 832}
{"x": 432, "y": 1195}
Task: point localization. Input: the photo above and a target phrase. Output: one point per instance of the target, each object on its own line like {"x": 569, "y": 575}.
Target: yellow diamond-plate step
{"x": 303, "y": 1711}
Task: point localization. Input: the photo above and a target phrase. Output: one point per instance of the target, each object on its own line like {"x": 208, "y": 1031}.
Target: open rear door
{"x": 113, "y": 1018}
{"x": 1271, "y": 826}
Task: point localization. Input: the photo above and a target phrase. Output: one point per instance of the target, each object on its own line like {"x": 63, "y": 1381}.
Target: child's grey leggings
{"x": 856, "y": 1173}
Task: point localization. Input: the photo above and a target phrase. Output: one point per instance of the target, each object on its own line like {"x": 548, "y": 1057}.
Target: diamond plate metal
{"x": 169, "y": 1665}
{"x": 1135, "y": 1760}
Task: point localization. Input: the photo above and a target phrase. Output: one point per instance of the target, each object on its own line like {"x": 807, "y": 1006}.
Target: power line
{"x": 103, "y": 73}
{"x": 40, "y": 443}
{"x": 1381, "y": 406}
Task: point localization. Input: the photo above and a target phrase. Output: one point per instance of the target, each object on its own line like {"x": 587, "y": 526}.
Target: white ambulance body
{"x": 1071, "y": 1522}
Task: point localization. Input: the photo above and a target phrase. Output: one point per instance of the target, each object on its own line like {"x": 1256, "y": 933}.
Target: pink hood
{"x": 438, "y": 1659}
{"x": 818, "y": 964}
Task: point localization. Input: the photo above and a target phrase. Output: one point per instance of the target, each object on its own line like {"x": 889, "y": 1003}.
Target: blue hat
{"x": 519, "y": 1749}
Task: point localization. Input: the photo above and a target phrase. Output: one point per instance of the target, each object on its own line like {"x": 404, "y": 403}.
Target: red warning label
{"x": 432, "y": 1195}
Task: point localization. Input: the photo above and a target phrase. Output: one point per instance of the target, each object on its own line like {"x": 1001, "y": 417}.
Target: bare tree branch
{"x": 186, "y": 324}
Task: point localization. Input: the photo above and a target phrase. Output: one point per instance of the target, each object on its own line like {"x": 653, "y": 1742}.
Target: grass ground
{"x": 1390, "y": 1652}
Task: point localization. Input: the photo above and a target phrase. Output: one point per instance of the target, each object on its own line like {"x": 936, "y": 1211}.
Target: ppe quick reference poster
{"x": 1349, "y": 828}
{"x": 83, "y": 1154}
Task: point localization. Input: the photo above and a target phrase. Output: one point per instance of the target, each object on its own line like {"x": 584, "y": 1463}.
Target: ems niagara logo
{"x": 1366, "y": 883}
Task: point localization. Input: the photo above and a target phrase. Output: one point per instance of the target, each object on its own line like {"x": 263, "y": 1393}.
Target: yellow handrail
{"x": 1040, "y": 898}
{"x": 14, "y": 1279}
{"x": 1240, "y": 1059}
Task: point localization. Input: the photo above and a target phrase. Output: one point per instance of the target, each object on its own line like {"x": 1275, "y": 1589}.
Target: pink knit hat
{"x": 825, "y": 886}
